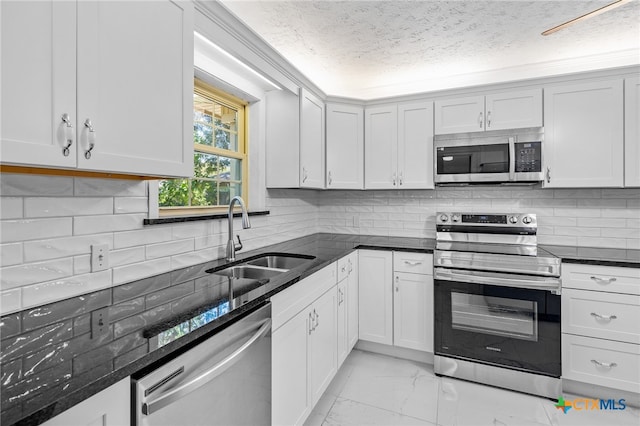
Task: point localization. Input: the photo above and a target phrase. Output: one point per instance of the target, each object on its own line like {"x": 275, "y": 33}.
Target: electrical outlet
{"x": 99, "y": 257}
{"x": 99, "y": 322}
{"x": 356, "y": 221}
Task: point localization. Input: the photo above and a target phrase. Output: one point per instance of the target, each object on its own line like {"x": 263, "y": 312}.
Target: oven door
{"x": 513, "y": 327}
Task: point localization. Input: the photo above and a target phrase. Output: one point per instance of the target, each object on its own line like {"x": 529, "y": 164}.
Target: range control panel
{"x": 490, "y": 219}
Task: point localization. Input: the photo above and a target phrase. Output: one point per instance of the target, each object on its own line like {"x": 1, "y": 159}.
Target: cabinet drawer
{"x": 414, "y": 263}
{"x": 286, "y": 304}
{"x": 612, "y": 279}
{"x": 604, "y": 315}
{"x": 601, "y": 362}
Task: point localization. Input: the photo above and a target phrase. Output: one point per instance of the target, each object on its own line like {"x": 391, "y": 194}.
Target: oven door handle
{"x": 503, "y": 280}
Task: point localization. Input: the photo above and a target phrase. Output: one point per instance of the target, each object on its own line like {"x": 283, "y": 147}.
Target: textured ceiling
{"x": 367, "y": 49}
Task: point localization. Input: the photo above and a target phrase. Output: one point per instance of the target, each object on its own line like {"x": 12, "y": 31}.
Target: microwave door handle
{"x": 512, "y": 159}
{"x": 204, "y": 378}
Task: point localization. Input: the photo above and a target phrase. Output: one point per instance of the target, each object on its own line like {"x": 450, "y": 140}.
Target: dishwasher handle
{"x": 204, "y": 378}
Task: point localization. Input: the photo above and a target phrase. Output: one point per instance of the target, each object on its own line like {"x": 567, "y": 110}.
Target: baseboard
{"x": 394, "y": 351}
{"x": 600, "y": 392}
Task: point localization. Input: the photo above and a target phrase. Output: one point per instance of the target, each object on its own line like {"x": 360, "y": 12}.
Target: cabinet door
{"x": 413, "y": 311}
{"x": 282, "y": 128}
{"x": 322, "y": 348}
{"x": 514, "y": 110}
{"x": 584, "y": 135}
{"x": 415, "y": 145}
{"x": 135, "y": 86}
{"x": 632, "y": 132}
{"x": 290, "y": 402}
{"x": 352, "y": 300}
{"x": 110, "y": 407}
{"x": 459, "y": 115}
{"x": 381, "y": 147}
{"x": 345, "y": 146}
{"x": 343, "y": 338}
{"x": 311, "y": 141}
{"x": 375, "y": 296}
{"x": 38, "y": 82}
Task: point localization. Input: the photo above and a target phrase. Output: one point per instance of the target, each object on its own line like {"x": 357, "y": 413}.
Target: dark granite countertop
{"x": 50, "y": 362}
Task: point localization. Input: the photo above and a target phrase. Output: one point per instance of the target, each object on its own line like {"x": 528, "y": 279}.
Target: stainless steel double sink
{"x": 263, "y": 267}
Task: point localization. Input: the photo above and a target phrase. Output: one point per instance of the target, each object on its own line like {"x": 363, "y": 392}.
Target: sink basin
{"x": 249, "y": 272}
{"x": 280, "y": 261}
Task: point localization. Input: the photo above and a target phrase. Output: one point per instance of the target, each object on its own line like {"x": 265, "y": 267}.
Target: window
{"x": 219, "y": 160}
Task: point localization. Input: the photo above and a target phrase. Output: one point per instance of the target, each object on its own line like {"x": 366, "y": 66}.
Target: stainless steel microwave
{"x": 507, "y": 157}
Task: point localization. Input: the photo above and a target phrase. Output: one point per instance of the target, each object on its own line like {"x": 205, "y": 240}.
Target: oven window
{"x": 495, "y": 315}
{"x": 473, "y": 159}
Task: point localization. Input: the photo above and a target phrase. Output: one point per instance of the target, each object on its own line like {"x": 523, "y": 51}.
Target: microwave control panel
{"x": 528, "y": 156}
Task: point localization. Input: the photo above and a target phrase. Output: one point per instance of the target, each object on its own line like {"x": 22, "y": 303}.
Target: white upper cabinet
{"x": 632, "y": 132}
{"x": 399, "y": 146}
{"x": 511, "y": 110}
{"x": 312, "y": 161}
{"x": 38, "y": 83}
{"x": 345, "y": 146}
{"x": 282, "y": 138}
{"x": 125, "y": 94}
{"x": 584, "y": 135}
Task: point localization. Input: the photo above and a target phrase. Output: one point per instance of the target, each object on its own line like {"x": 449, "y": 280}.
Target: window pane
{"x": 204, "y": 193}
{"x": 173, "y": 193}
{"x": 230, "y": 169}
{"x": 214, "y": 124}
{"x": 205, "y": 165}
{"x": 228, "y": 190}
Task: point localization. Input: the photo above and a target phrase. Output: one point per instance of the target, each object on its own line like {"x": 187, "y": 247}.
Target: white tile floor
{"x": 372, "y": 389}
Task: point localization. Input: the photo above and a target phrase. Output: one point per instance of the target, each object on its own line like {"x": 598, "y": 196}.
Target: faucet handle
{"x": 238, "y": 246}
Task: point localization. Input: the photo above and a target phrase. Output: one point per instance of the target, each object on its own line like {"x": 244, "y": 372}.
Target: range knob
{"x": 526, "y": 220}
{"x": 513, "y": 219}
{"x": 444, "y": 218}
{"x": 455, "y": 217}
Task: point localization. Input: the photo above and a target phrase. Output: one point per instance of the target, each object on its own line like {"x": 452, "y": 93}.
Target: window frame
{"x": 201, "y": 88}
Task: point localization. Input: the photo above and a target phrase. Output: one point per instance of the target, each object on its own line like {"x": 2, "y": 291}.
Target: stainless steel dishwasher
{"x": 225, "y": 380}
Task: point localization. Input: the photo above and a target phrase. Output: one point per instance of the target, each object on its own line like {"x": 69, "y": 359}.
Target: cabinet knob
{"x": 68, "y": 134}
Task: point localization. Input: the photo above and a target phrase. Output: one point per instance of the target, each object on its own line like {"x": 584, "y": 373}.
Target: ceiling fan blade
{"x": 586, "y": 16}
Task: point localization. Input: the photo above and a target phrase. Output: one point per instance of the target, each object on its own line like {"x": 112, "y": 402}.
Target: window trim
{"x": 203, "y": 89}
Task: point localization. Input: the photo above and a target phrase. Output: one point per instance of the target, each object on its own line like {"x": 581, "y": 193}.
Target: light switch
{"x": 99, "y": 257}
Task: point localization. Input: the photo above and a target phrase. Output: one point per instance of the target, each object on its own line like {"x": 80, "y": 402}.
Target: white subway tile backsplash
{"x": 602, "y": 222}
{"x": 575, "y": 212}
{"x": 67, "y": 206}
{"x": 130, "y": 205}
{"x": 32, "y": 229}
{"x": 82, "y": 264}
{"x": 137, "y": 271}
{"x": 171, "y": 248}
{"x": 196, "y": 257}
{"x": 126, "y": 256}
{"x": 24, "y": 185}
{"x": 197, "y": 229}
{"x": 84, "y": 225}
{"x": 30, "y": 273}
{"x": 10, "y": 301}
{"x": 577, "y": 231}
{"x": 620, "y": 233}
{"x": 11, "y": 208}
{"x": 110, "y": 187}
{"x": 150, "y": 235}
{"x": 602, "y": 242}
{"x": 10, "y": 254}
{"x": 63, "y": 247}
{"x": 38, "y": 294}
{"x": 604, "y": 203}
{"x": 628, "y": 193}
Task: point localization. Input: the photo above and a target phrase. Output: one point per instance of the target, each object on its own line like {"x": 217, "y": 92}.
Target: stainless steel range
{"x": 497, "y": 303}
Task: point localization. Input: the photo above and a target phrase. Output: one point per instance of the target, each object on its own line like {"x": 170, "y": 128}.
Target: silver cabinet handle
{"x": 397, "y": 282}
{"x": 603, "y": 281}
{"x": 604, "y": 364}
{"x": 350, "y": 266}
{"x": 344, "y": 268}
{"x": 310, "y": 323}
{"x": 393, "y": 179}
{"x": 603, "y": 317}
{"x": 330, "y": 180}
{"x": 411, "y": 263}
{"x": 548, "y": 174}
{"x": 401, "y": 178}
{"x": 91, "y": 139}
{"x": 488, "y": 119}
{"x": 68, "y": 134}
{"x": 304, "y": 175}
{"x": 205, "y": 377}
{"x": 480, "y": 120}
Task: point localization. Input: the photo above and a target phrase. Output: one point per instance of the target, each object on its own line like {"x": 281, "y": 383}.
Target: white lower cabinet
{"x": 304, "y": 346}
{"x": 600, "y": 333}
{"x": 110, "y": 407}
{"x": 396, "y": 299}
{"x": 347, "y": 299}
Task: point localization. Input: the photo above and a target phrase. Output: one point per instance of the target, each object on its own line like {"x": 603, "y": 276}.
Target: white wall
{"x": 48, "y": 224}
{"x": 576, "y": 217}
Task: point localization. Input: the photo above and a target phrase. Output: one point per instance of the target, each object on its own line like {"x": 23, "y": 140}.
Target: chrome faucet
{"x": 231, "y": 245}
